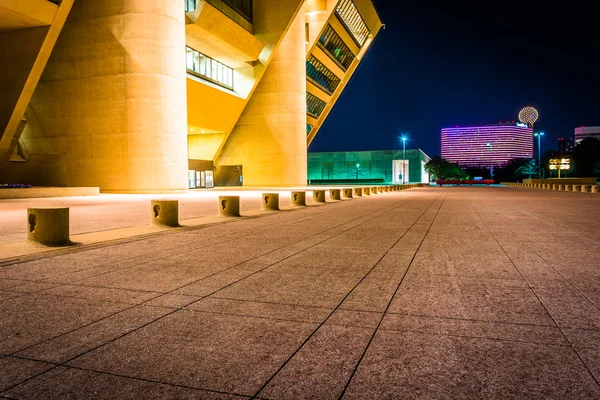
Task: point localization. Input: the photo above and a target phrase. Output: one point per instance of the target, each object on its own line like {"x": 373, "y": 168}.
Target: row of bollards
{"x": 50, "y": 226}
{"x": 558, "y": 187}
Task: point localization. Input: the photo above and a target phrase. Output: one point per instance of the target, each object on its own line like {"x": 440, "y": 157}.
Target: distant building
{"x": 585, "y": 132}
{"x": 487, "y": 145}
{"x": 379, "y": 166}
{"x": 565, "y": 145}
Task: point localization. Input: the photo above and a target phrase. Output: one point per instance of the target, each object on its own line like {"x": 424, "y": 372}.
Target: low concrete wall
{"x": 564, "y": 181}
{"x": 47, "y": 191}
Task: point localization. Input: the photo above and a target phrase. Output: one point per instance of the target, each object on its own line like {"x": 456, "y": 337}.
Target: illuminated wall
{"x": 585, "y": 132}
{"x": 484, "y": 146}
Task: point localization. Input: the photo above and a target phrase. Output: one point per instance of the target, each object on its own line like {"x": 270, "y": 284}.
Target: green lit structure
{"x": 378, "y": 166}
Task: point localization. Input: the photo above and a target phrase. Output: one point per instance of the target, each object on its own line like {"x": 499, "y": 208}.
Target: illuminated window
{"x": 190, "y": 5}
{"x": 335, "y": 46}
{"x": 321, "y": 75}
{"x": 351, "y": 18}
{"x": 314, "y": 105}
{"x": 207, "y": 68}
{"x": 308, "y": 128}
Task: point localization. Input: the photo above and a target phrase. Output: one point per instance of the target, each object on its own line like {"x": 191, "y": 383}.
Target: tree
{"x": 441, "y": 169}
{"x": 585, "y": 157}
{"x": 529, "y": 168}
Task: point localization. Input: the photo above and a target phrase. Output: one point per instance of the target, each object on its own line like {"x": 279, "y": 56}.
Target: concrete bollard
{"x": 595, "y": 189}
{"x": 387, "y": 189}
{"x": 48, "y": 226}
{"x": 348, "y": 193}
{"x": 358, "y": 192}
{"x": 229, "y": 206}
{"x": 554, "y": 186}
{"x": 335, "y": 194}
{"x": 164, "y": 213}
{"x": 319, "y": 196}
{"x": 586, "y": 188}
{"x": 373, "y": 189}
{"x": 367, "y": 191}
{"x": 568, "y": 188}
{"x": 379, "y": 189}
{"x": 576, "y": 188}
{"x": 299, "y": 198}
{"x": 270, "y": 201}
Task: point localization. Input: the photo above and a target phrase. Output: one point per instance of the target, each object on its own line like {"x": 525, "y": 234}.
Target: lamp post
{"x": 491, "y": 166}
{"x": 539, "y": 137}
{"x": 357, "y": 168}
{"x": 403, "y": 158}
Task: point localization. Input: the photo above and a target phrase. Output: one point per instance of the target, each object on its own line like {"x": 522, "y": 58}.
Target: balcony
{"x": 25, "y": 14}
{"x": 212, "y": 32}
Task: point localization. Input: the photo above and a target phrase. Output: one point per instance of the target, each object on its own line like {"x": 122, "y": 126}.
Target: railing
{"x": 351, "y": 18}
{"x": 314, "y": 105}
{"x": 321, "y": 75}
{"x": 208, "y": 68}
{"x": 335, "y": 46}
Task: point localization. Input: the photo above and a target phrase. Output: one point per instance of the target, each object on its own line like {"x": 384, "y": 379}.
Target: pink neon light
{"x": 468, "y": 146}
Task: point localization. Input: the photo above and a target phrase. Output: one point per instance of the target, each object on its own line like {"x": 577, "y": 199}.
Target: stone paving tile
{"x": 14, "y": 371}
{"x": 32, "y": 287}
{"x": 207, "y": 351}
{"x": 306, "y": 290}
{"x": 8, "y": 283}
{"x": 5, "y": 295}
{"x": 70, "y": 383}
{"x": 151, "y": 277}
{"x": 370, "y": 295}
{"x": 30, "y": 319}
{"x": 77, "y": 342}
{"x": 475, "y": 329}
{"x": 102, "y": 294}
{"x": 454, "y": 299}
{"x": 213, "y": 283}
{"x": 503, "y": 269}
{"x": 361, "y": 319}
{"x": 170, "y": 300}
{"x": 321, "y": 368}
{"x": 290, "y": 312}
{"x": 570, "y": 308}
{"x": 411, "y": 365}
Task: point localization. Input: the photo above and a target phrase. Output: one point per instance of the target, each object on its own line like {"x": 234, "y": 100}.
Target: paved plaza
{"x": 433, "y": 293}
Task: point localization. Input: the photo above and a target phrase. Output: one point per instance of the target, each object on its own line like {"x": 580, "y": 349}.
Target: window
{"x": 335, "y": 46}
{"x": 321, "y": 75}
{"x": 314, "y": 105}
{"x": 351, "y": 18}
{"x": 190, "y": 5}
{"x": 205, "y": 67}
{"x": 242, "y": 7}
{"x": 308, "y": 128}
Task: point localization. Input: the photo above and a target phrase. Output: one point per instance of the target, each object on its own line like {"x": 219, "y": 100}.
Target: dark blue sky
{"x": 441, "y": 64}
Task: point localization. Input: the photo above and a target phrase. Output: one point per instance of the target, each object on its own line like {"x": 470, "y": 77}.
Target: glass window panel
{"x": 209, "y": 68}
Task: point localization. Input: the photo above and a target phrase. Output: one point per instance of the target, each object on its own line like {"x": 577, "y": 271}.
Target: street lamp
{"x": 539, "y": 136}
{"x": 404, "y": 138}
{"x": 491, "y": 166}
{"x": 357, "y": 168}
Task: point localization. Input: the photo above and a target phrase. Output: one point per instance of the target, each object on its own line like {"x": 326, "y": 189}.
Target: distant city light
{"x": 528, "y": 115}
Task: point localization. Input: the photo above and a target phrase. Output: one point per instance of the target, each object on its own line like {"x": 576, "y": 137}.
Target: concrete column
{"x": 269, "y": 140}
{"x": 113, "y": 97}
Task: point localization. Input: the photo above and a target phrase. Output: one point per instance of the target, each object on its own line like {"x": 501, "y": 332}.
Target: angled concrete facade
{"x": 147, "y": 97}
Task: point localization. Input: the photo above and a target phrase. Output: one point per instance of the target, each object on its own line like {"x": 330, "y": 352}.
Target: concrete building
{"x": 565, "y": 145}
{"x": 488, "y": 145}
{"x": 379, "y": 166}
{"x": 160, "y": 96}
{"x": 586, "y": 131}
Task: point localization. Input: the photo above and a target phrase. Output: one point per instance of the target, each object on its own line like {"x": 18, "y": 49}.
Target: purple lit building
{"x": 487, "y": 146}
